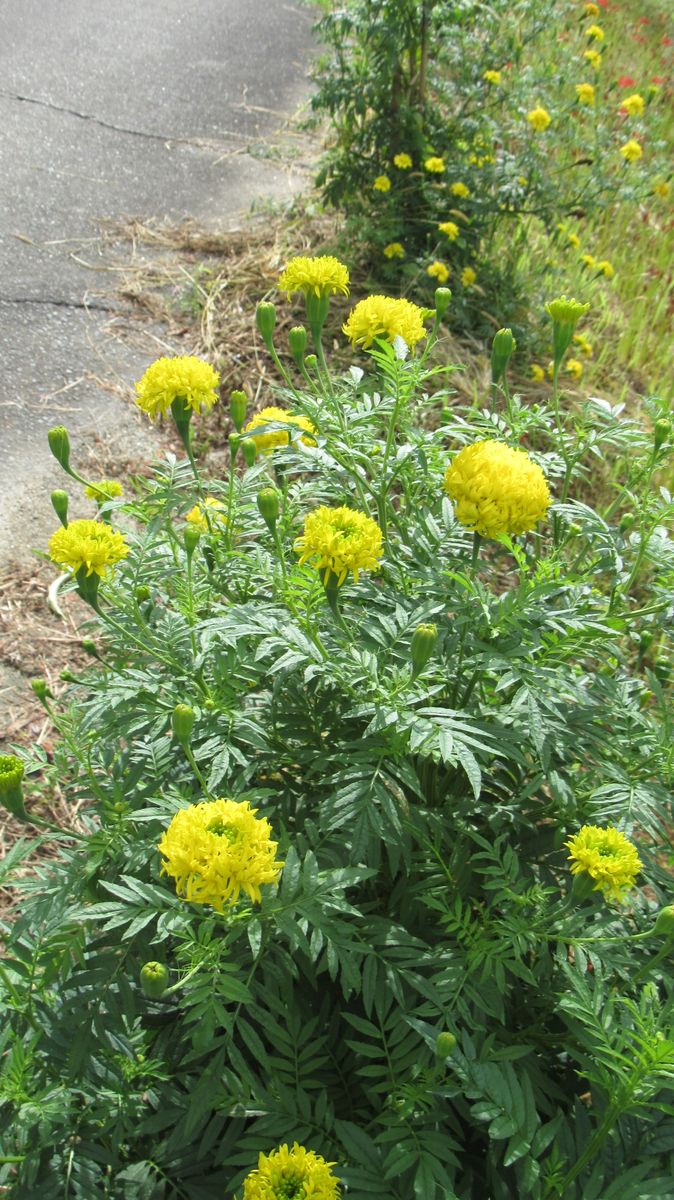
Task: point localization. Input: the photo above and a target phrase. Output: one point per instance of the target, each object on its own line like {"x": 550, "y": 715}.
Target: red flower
{"x": 667, "y": 41}
{"x": 659, "y": 79}
{"x": 625, "y": 81}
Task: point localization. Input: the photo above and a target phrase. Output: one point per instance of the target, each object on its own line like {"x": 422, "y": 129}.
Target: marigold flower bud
{"x": 191, "y": 535}
{"x": 249, "y": 451}
{"x": 626, "y": 522}
{"x": 238, "y": 403}
{"x": 444, "y": 1044}
{"x": 297, "y": 340}
{"x": 41, "y": 690}
{"x": 59, "y": 444}
{"x": 265, "y": 316}
{"x": 59, "y": 501}
{"x": 502, "y": 349}
{"x": 565, "y": 316}
{"x": 268, "y": 504}
{"x": 661, "y": 432}
{"x": 67, "y": 676}
{"x": 423, "y": 645}
{"x": 443, "y": 297}
{"x": 89, "y": 647}
{"x": 154, "y": 979}
{"x": 645, "y": 642}
{"x": 11, "y": 791}
{"x": 142, "y": 593}
{"x": 182, "y": 722}
{"x": 664, "y": 922}
{"x": 311, "y": 362}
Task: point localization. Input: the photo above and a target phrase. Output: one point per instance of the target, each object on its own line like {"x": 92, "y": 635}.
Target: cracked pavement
{"x": 111, "y": 111}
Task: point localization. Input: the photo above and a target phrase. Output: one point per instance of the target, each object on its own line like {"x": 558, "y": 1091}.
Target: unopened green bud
{"x": 191, "y": 535}
{"x": 67, "y": 676}
{"x": 249, "y": 451}
{"x": 59, "y": 501}
{"x": 664, "y": 922}
{"x": 645, "y": 642}
{"x": 59, "y": 444}
{"x": 443, "y": 296}
{"x": 423, "y": 645}
{"x": 444, "y": 1044}
{"x": 311, "y": 362}
{"x": 238, "y": 403}
{"x": 502, "y": 349}
{"x": 565, "y": 316}
{"x": 11, "y": 789}
{"x": 661, "y": 432}
{"x": 182, "y": 722}
{"x": 268, "y": 504}
{"x": 154, "y": 979}
{"x": 89, "y": 647}
{"x": 142, "y": 593}
{"x": 626, "y": 522}
{"x": 265, "y": 316}
{"x": 41, "y": 690}
{"x": 297, "y": 340}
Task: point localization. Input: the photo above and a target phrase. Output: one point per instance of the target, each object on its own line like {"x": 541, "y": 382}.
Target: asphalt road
{"x": 111, "y": 110}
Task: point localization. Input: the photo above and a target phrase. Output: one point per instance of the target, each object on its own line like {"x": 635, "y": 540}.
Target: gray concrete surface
{"x": 129, "y": 108}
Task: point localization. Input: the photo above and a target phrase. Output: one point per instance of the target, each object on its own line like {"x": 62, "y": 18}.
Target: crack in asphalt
{"x": 57, "y": 303}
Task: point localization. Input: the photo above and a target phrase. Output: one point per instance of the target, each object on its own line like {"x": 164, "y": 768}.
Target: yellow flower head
{"x": 634, "y": 105}
{"x": 607, "y": 857}
{"x": 537, "y": 373}
{"x": 468, "y": 277}
{"x": 496, "y": 489}
{"x": 607, "y": 269}
{"x": 322, "y": 275}
{"x": 593, "y": 57}
{"x": 661, "y": 188}
{"x": 460, "y": 190}
{"x": 588, "y": 260}
{"x": 449, "y": 229}
{"x": 573, "y": 240}
{"x": 438, "y": 271}
{"x": 181, "y": 378}
{"x": 402, "y": 161}
{"x": 270, "y": 439}
{"x": 591, "y": 10}
{"x": 386, "y": 318}
{"x": 382, "y": 183}
{"x": 296, "y": 1174}
{"x": 595, "y": 33}
{"x": 539, "y": 118}
{"x": 583, "y": 345}
{"x": 105, "y": 489}
{"x": 216, "y": 849}
{"x": 338, "y": 540}
{"x": 90, "y": 544}
{"x": 631, "y": 151}
{"x": 574, "y": 368}
{"x": 492, "y": 77}
{"x": 216, "y": 514}
{"x": 435, "y": 165}
{"x": 585, "y": 93}
{"x": 394, "y": 250}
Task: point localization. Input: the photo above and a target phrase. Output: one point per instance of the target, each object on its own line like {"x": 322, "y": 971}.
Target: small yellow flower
{"x": 394, "y": 250}
{"x": 271, "y": 439}
{"x": 634, "y": 105}
{"x": 449, "y": 229}
{"x": 319, "y": 276}
{"x": 595, "y": 33}
{"x": 583, "y": 345}
{"x": 338, "y": 540}
{"x": 402, "y": 161}
{"x": 606, "y": 855}
{"x": 438, "y": 271}
{"x": 492, "y": 77}
{"x": 217, "y": 849}
{"x": 387, "y": 318}
{"x": 591, "y": 10}
{"x": 585, "y": 93}
{"x": 296, "y": 1174}
{"x": 631, "y": 151}
{"x": 496, "y": 489}
{"x": 104, "y": 489}
{"x": 537, "y": 373}
{"x": 607, "y": 269}
{"x": 573, "y": 240}
{"x": 661, "y": 188}
{"x": 90, "y": 544}
{"x": 522, "y": 180}
{"x": 382, "y": 183}
{"x": 574, "y": 368}
{"x": 460, "y": 190}
{"x": 468, "y": 277}
{"x": 435, "y": 165}
{"x": 588, "y": 260}
{"x": 212, "y": 510}
{"x": 594, "y": 58}
{"x": 181, "y": 378}
{"x": 539, "y": 118}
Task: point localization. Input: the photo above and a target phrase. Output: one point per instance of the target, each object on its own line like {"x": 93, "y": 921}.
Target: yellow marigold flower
{"x": 435, "y": 165}
{"x": 634, "y": 105}
{"x": 594, "y": 58}
{"x": 211, "y": 506}
{"x": 574, "y": 368}
{"x": 181, "y": 378}
{"x": 394, "y": 250}
{"x": 607, "y": 857}
{"x": 496, "y": 489}
{"x": 449, "y": 229}
{"x": 607, "y": 269}
{"x": 460, "y": 190}
{"x": 591, "y": 10}
{"x": 661, "y": 188}
{"x": 338, "y": 540}
{"x": 631, "y": 151}
{"x": 382, "y": 183}
{"x": 90, "y": 544}
{"x": 438, "y": 271}
{"x": 573, "y": 240}
{"x": 588, "y": 260}
{"x": 583, "y": 345}
{"x": 537, "y": 373}
{"x": 492, "y": 76}
{"x": 105, "y": 489}
{"x": 402, "y": 161}
{"x": 468, "y": 277}
{"x": 270, "y": 439}
{"x": 539, "y": 118}
{"x": 384, "y": 317}
{"x": 296, "y": 1174}
{"x": 595, "y": 33}
{"x": 585, "y": 93}
{"x": 322, "y": 275}
{"x": 216, "y": 849}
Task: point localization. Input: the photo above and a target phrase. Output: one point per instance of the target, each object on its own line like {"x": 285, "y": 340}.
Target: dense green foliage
{"x": 422, "y": 817}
